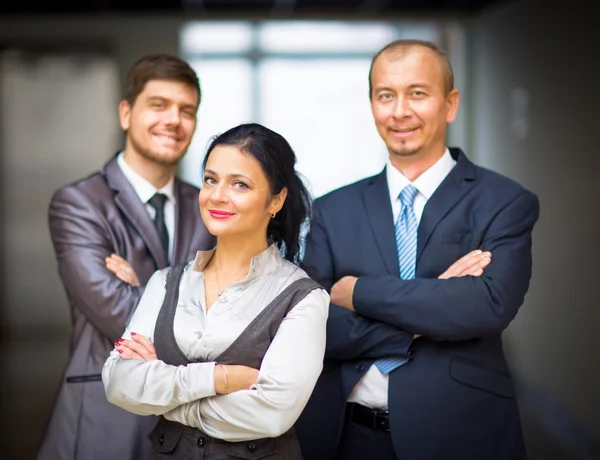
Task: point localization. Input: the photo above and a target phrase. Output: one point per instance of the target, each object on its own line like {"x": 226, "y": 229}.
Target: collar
{"x": 426, "y": 183}
{"x": 144, "y": 189}
{"x": 266, "y": 261}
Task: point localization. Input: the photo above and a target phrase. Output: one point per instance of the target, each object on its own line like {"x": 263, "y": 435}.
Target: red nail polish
{"x": 133, "y": 333}
{"x": 119, "y": 350}
{"x": 116, "y": 344}
{"x": 121, "y": 340}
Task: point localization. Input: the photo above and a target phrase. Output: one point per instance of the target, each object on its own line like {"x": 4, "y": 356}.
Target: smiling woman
{"x": 228, "y": 348}
{"x": 236, "y": 196}
{"x": 249, "y": 172}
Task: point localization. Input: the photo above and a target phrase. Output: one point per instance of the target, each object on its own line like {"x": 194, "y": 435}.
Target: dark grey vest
{"x": 173, "y": 440}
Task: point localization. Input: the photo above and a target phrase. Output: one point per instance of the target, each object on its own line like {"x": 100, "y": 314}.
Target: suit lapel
{"x": 458, "y": 182}
{"x": 379, "y": 211}
{"x": 184, "y": 224}
{"x": 130, "y": 205}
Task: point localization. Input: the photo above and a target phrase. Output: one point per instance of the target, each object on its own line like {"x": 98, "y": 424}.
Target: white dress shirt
{"x": 186, "y": 394}
{"x": 145, "y": 190}
{"x": 372, "y": 389}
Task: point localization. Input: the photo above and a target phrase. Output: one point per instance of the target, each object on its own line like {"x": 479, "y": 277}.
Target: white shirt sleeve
{"x": 153, "y": 387}
{"x": 286, "y": 379}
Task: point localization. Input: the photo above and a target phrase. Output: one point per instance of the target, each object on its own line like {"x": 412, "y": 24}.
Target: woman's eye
{"x": 240, "y": 185}
{"x": 209, "y": 181}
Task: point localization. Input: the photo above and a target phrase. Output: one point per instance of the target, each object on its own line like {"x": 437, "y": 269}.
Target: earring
{"x": 273, "y": 215}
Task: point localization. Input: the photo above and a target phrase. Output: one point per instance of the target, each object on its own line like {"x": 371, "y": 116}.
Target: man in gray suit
{"x": 111, "y": 231}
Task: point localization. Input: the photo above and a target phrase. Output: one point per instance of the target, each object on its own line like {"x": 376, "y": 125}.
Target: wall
{"x": 533, "y": 117}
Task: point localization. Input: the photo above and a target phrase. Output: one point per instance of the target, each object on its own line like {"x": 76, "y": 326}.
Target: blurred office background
{"x": 528, "y": 110}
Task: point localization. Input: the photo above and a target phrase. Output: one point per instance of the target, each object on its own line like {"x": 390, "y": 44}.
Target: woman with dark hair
{"x": 228, "y": 348}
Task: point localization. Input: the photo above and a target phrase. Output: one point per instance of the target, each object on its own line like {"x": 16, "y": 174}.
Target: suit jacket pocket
{"x": 84, "y": 378}
{"x": 481, "y": 378}
{"x": 456, "y": 237}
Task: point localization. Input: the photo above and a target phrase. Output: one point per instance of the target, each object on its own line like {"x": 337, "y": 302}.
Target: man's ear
{"x": 453, "y": 101}
{"x": 124, "y": 115}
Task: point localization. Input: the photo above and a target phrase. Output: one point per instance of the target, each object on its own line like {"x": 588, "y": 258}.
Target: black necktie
{"x": 158, "y": 203}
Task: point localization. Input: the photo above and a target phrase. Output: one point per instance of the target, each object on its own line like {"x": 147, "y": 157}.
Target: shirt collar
{"x": 144, "y": 189}
{"x": 266, "y": 261}
{"x": 426, "y": 183}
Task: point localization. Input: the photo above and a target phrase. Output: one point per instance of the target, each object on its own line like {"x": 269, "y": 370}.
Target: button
{"x": 251, "y": 446}
{"x": 201, "y": 441}
{"x": 161, "y": 440}
{"x": 360, "y": 368}
{"x": 224, "y": 298}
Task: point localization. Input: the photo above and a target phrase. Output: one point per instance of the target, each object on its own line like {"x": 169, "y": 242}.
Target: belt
{"x": 375, "y": 419}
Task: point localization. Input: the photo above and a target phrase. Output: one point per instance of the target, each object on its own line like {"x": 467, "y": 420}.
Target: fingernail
{"x": 119, "y": 350}
{"x": 121, "y": 340}
{"x": 116, "y": 344}
{"x": 133, "y": 333}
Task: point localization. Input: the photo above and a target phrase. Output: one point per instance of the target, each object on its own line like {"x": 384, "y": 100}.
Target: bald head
{"x": 400, "y": 48}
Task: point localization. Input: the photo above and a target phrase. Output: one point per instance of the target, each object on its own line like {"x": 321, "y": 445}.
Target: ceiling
{"x": 251, "y": 7}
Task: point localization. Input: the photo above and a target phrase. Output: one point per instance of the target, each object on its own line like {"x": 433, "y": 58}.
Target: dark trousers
{"x": 361, "y": 442}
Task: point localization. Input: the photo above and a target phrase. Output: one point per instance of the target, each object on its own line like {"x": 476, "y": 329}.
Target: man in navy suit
{"x": 427, "y": 263}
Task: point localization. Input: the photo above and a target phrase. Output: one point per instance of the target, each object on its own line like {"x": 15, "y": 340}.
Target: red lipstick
{"x": 218, "y": 214}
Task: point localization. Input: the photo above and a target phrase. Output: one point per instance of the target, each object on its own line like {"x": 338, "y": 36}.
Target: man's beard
{"x": 405, "y": 152}
{"x": 160, "y": 159}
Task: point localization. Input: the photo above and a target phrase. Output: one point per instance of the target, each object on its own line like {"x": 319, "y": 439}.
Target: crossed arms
{"x": 236, "y": 403}
{"x": 81, "y": 238}
{"x": 378, "y": 316}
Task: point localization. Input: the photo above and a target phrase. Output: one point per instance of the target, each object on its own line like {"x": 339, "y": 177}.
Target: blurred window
{"x": 307, "y": 80}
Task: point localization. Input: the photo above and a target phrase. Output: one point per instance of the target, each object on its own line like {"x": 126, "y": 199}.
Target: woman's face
{"x": 235, "y": 198}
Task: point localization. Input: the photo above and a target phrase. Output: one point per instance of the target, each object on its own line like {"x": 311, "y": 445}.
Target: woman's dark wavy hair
{"x": 277, "y": 159}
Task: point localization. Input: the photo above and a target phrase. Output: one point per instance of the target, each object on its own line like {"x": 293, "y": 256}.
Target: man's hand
{"x": 472, "y": 264}
{"x": 341, "y": 292}
{"x": 122, "y": 269}
{"x": 139, "y": 347}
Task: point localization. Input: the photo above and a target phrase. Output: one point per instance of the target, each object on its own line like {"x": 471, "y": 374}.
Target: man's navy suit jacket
{"x": 454, "y": 399}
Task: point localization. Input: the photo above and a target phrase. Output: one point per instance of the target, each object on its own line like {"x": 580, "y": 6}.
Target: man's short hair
{"x": 158, "y": 67}
{"x": 400, "y": 48}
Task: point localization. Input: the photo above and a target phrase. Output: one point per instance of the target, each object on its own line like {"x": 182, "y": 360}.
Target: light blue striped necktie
{"x": 406, "y": 242}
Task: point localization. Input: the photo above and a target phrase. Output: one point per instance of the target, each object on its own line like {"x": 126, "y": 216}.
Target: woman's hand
{"x": 122, "y": 269}
{"x": 138, "y": 348}
{"x": 230, "y": 378}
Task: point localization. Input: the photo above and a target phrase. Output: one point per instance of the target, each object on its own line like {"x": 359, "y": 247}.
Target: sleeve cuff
{"x": 202, "y": 380}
